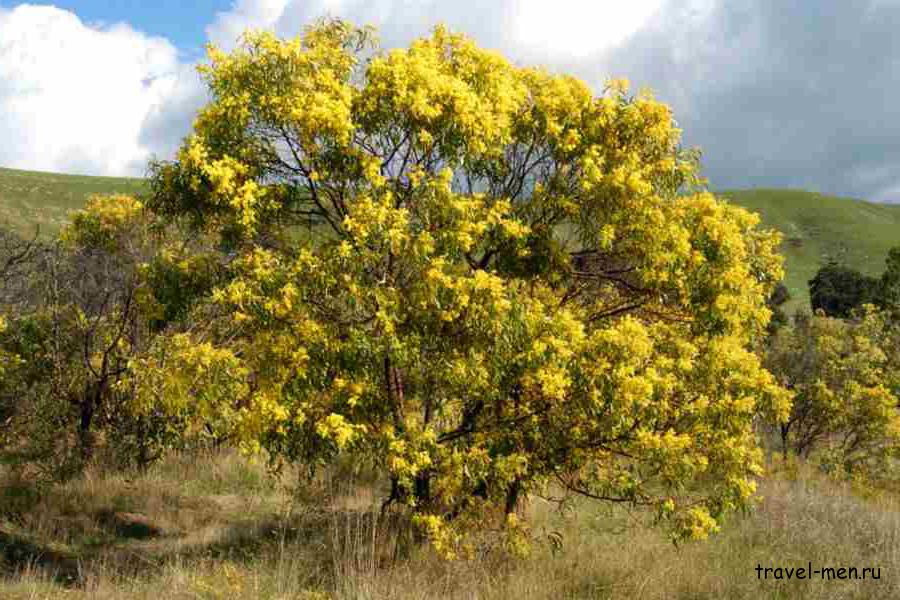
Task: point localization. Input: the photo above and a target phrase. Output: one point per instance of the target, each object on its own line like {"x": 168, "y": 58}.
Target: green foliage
{"x": 838, "y": 290}
{"x": 889, "y": 288}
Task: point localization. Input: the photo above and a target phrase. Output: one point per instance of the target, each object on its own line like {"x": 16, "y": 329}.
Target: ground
{"x": 219, "y": 526}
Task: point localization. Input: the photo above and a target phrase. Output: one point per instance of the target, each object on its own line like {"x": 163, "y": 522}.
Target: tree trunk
{"x": 512, "y": 496}
{"x": 423, "y": 489}
{"x": 785, "y": 431}
{"x": 86, "y": 417}
{"x": 88, "y": 407}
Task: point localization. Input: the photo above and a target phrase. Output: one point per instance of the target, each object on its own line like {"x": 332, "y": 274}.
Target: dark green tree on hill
{"x": 889, "y": 292}
{"x": 837, "y": 290}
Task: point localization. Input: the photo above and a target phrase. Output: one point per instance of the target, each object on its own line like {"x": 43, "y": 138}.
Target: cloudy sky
{"x": 787, "y": 93}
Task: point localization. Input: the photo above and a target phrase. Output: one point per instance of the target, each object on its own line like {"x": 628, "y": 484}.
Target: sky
{"x": 776, "y": 93}
{"x": 182, "y": 22}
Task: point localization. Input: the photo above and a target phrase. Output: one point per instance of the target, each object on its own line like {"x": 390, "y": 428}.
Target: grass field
{"x": 816, "y": 228}
{"x": 216, "y": 526}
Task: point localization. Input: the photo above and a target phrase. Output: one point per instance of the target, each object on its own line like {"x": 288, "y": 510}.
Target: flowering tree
{"x": 482, "y": 277}
{"x": 844, "y": 378}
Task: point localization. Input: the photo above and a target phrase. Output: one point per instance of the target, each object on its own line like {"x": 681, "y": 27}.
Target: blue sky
{"x": 775, "y": 93}
{"x": 180, "y": 21}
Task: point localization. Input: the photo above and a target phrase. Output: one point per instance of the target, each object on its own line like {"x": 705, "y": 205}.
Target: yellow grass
{"x": 228, "y": 530}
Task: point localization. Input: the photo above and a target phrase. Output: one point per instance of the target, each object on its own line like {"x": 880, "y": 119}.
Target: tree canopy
{"x": 484, "y": 279}
{"x": 837, "y": 290}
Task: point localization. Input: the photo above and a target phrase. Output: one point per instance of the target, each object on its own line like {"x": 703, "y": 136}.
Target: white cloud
{"x": 557, "y": 31}
{"x": 229, "y": 25}
{"x": 578, "y": 28}
{"x": 73, "y": 97}
{"x": 167, "y": 122}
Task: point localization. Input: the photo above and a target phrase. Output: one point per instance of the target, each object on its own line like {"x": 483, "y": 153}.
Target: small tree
{"x": 842, "y": 380}
{"x": 837, "y": 290}
{"x": 514, "y": 283}
{"x": 87, "y": 306}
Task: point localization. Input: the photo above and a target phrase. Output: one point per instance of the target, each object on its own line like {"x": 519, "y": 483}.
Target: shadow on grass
{"x": 18, "y": 552}
{"x": 192, "y": 513}
{"x": 314, "y": 538}
{"x": 314, "y": 542}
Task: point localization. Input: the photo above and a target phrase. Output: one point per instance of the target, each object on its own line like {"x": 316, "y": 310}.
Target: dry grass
{"x": 228, "y": 530}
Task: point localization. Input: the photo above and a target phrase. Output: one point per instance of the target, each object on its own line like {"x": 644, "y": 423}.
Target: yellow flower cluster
{"x": 444, "y": 540}
{"x": 106, "y": 222}
{"x": 317, "y": 97}
{"x": 336, "y": 428}
{"x": 447, "y": 81}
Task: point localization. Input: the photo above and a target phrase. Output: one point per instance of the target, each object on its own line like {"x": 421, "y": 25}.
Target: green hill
{"x": 819, "y": 228}
{"x": 31, "y": 198}
{"x": 816, "y": 228}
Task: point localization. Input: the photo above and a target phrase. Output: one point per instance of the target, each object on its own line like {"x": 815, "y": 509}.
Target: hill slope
{"x": 819, "y": 228}
{"x": 816, "y": 228}
{"x": 31, "y": 198}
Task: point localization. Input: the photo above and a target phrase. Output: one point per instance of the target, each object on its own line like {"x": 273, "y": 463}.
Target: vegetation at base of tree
{"x": 229, "y": 530}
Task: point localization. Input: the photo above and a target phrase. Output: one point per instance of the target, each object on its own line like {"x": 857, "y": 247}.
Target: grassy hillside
{"x": 31, "y": 198}
{"x": 817, "y": 228}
